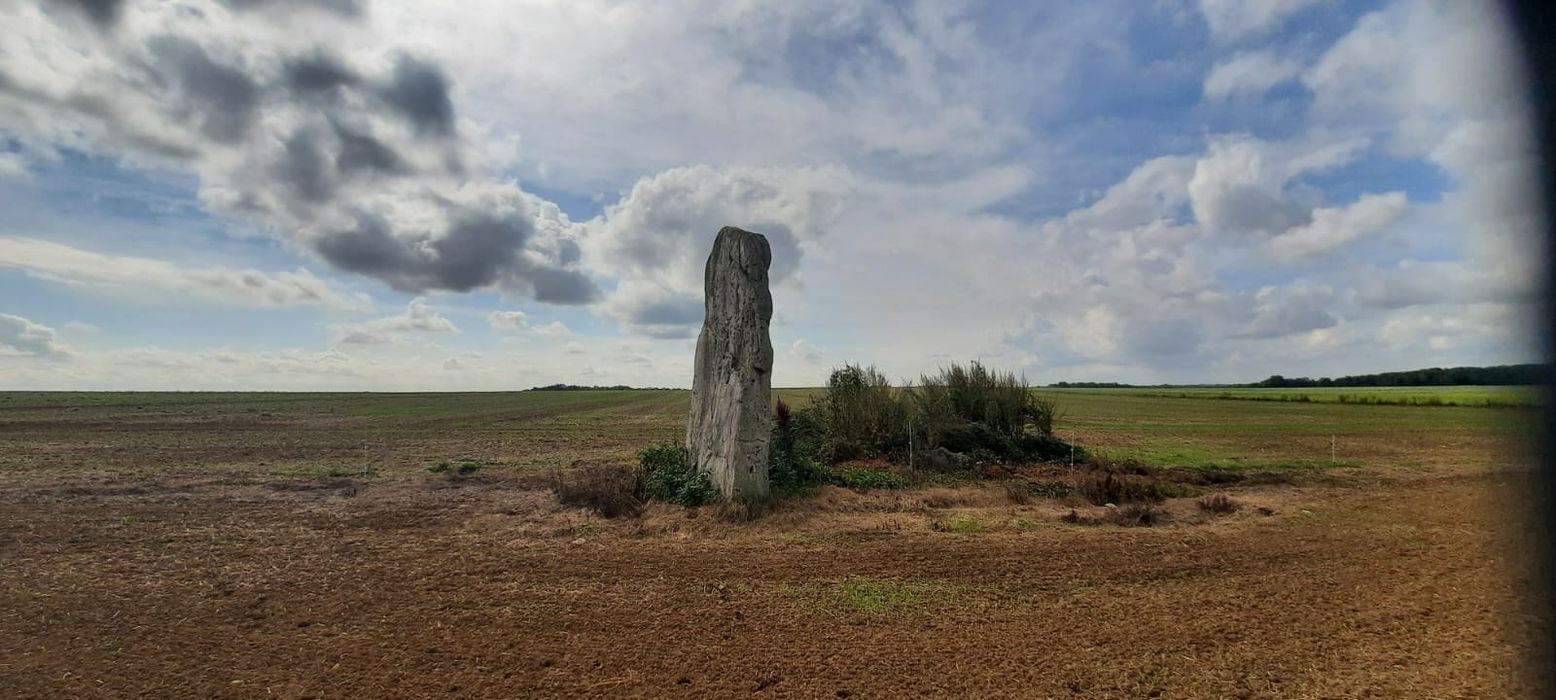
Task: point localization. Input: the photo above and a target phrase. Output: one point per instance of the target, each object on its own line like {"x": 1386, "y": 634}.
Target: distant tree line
{"x": 578, "y": 387}
{"x": 1500, "y": 375}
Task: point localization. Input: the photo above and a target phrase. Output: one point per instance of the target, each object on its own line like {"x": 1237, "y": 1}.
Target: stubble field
{"x": 294, "y": 545}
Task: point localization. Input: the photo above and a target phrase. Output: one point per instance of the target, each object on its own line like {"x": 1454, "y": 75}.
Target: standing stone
{"x": 731, "y": 418}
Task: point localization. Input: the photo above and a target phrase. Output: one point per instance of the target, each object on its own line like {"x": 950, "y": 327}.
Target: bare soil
{"x": 238, "y": 583}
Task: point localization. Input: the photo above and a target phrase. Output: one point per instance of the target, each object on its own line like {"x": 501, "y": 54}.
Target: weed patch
{"x": 962, "y": 525}
{"x": 455, "y": 469}
{"x": 1218, "y": 504}
{"x": 870, "y": 596}
{"x": 1137, "y": 515}
{"x": 611, "y": 492}
{"x": 1120, "y": 489}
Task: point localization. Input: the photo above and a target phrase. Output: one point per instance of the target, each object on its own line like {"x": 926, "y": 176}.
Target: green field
{"x": 1495, "y": 396}
{"x": 310, "y": 435}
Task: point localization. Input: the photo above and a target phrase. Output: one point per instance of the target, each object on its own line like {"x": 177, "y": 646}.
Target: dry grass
{"x": 1218, "y": 504}
{"x": 610, "y": 491}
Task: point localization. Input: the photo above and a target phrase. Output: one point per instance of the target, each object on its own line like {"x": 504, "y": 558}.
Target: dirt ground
{"x": 1368, "y": 582}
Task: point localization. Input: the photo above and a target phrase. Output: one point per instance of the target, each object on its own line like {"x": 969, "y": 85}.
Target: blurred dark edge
{"x": 1535, "y": 24}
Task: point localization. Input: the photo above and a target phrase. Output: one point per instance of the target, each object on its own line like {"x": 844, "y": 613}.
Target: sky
{"x": 482, "y": 195}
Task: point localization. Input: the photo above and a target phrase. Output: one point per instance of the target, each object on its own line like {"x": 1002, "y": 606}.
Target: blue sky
{"x": 398, "y": 196}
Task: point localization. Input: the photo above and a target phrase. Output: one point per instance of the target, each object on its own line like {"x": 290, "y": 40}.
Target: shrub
{"x": 455, "y": 469}
{"x": 1110, "y": 488}
{"x": 1001, "y": 401}
{"x": 1218, "y": 504}
{"x": 862, "y": 415}
{"x": 669, "y": 475}
{"x": 790, "y": 474}
{"x": 798, "y": 432}
{"x": 987, "y": 414}
{"x": 1102, "y": 490}
{"x": 612, "y": 492}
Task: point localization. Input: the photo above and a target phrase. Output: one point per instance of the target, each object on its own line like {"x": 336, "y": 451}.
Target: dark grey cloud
{"x": 478, "y": 250}
{"x": 681, "y": 310}
{"x": 222, "y": 98}
{"x": 344, "y": 8}
{"x": 318, "y": 73}
{"x": 103, "y": 13}
{"x": 556, "y": 285}
{"x": 419, "y": 92}
{"x": 305, "y": 169}
{"x": 363, "y": 166}
{"x": 363, "y": 153}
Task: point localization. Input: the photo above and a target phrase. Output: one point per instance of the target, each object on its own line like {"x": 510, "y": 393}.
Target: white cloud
{"x": 1332, "y": 228}
{"x": 23, "y": 337}
{"x": 1250, "y": 72}
{"x": 416, "y": 319}
{"x": 656, "y": 239}
{"x": 507, "y": 320}
{"x": 1239, "y": 186}
{"x": 1283, "y": 311}
{"x": 554, "y": 329}
{"x": 122, "y": 274}
{"x": 12, "y": 166}
{"x": 1236, "y": 19}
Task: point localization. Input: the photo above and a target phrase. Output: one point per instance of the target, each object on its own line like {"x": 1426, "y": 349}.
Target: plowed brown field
{"x": 282, "y": 546}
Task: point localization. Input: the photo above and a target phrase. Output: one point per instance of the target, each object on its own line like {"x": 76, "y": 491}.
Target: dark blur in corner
{"x": 1535, "y": 22}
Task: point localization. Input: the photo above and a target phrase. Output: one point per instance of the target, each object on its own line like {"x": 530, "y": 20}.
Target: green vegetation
{"x": 455, "y": 469}
{"x": 871, "y": 596}
{"x": 967, "y": 409}
{"x": 313, "y": 435}
{"x": 962, "y": 524}
{"x": 668, "y": 475}
{"x": 861, "y": 415}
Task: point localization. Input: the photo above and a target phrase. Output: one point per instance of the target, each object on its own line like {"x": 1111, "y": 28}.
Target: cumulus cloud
{"x": 1237, "y": 19}
{"x": 357, "y": 158}
{"x": 1240, "y": 185}
{"x": 1282, "y": 311}
{"x": 416, "y": 319}
{"x": 123, "y": 274}
{"x": 507, "y": 320}
{"x": 655, "y": 241}
{"x": 514, "y": 321}
{"x": 20, "y": 336}
{"x": 1250, "y": 72}
{"x": 1332, "y": 228}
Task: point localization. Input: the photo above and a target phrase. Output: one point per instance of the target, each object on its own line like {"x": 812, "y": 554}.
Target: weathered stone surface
{"x": 731, "y": 417}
